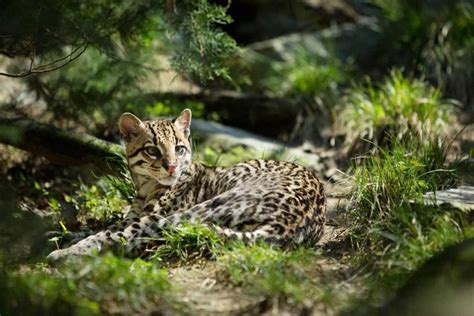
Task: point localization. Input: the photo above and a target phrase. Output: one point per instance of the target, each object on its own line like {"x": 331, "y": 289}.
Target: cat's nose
{"x": 170, "y": 167}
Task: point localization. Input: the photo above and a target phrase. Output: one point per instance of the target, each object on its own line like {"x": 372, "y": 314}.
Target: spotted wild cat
{"x": 275, "y": 201}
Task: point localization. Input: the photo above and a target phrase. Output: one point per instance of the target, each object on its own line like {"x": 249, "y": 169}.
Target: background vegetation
{"x": 375, "y": 96}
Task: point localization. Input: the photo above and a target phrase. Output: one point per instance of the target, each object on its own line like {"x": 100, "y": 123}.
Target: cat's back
{"x": 281, "y": 179}
{"x": 273, "y": 171}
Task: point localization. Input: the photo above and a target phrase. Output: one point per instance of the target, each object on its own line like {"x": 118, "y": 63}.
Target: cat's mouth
{"x": 173, "y": 176}
{"x": 168, "y": 179}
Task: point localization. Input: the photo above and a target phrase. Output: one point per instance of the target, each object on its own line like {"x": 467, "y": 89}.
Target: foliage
{"x": 168, "y": 108}
{"x": 54, "y": 25}
{"x": 435, "y": 38}
{"x": 96, "y": 285}
{"x": 201, "y": 47}
{"x": 422, "y": 19}
{"x": 398, "y": 106}
{"x": 121, "y": 41}
{"x": 96, "y": 87}
{"x": 99, "y": 200}
{"x": 187, "y": 243}
{"x": 92, "y": 206}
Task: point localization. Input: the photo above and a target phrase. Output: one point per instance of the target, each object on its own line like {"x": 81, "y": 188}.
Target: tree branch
{"x": 75, "y": 54}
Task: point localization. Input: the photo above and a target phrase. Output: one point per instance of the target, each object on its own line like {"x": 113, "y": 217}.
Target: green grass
{"x": 390, "y": 267}
{"x": 399, "y": 105}
{"x": 105, "y": 284}
{"x": 188, "y": 243}
{"x": 93, "y": 206}
{"x": 273, "y": 272}
{"x": 287, "y": 275}
{"x": 393, "y": 235}
{"x": 98, "y": 201}
{"x": 387, "y": 181}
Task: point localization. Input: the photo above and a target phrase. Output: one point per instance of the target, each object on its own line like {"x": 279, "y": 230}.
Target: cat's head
{"x": 158, "y": 149}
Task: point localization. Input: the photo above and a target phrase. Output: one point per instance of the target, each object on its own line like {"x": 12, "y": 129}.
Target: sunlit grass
{"x": 398, "y": 106}
{"x": 187, "y": 243}
{"x": 392, "y": 177}
{"x": 393, "y": 232}
{"x": 274, "y": 272}
{"x": 90, "y": 206}
{"x": 98, "y": 201}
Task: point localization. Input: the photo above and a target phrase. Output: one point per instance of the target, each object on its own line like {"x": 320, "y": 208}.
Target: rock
{"x": 349, "y": 41}
{"x": 228, "y": 137}
{"x": 461, "y": 198}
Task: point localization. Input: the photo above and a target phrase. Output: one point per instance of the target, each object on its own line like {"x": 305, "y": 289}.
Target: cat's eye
{"x": 153, "y": 151}
{"x": 180, "y": 150}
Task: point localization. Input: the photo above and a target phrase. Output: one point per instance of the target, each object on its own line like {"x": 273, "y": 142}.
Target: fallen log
{"x": 61, "y": 146}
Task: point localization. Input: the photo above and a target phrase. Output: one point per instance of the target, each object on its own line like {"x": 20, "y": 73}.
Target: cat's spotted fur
{"x": 275, "y": 201}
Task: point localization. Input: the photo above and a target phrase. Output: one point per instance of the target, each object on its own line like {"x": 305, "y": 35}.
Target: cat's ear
{"x": 130, "y": 126}
{"x": 183, "y": 122}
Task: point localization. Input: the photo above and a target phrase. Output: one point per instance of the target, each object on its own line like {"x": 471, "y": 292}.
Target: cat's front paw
{"x": 57, "y": 256}
{"x": 61, "y": 255}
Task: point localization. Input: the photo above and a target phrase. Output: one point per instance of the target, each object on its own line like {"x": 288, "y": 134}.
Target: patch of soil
{"x": 203, "y": 290}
